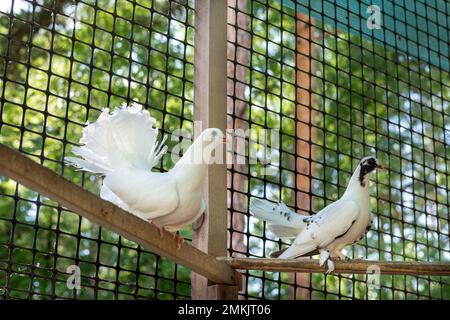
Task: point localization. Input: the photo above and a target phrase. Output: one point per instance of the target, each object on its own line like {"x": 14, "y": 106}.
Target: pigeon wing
{"x": 146, "y": 194}
{"x": 329, "y": 224}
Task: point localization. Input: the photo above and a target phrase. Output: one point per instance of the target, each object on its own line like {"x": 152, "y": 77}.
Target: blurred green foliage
{"x": 368, "y": 100}
{"x": 52, "y": 83}
{"x": 59, "y": 73}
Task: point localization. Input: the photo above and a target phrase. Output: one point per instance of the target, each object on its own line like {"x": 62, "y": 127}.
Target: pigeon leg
{"x": 160, "y": 228}
{"x": 330, "y": 264}
{"x": 324, "y": 256}
{"x": 180, "y": 240}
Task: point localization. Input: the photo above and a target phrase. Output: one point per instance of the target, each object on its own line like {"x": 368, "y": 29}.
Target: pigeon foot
{"x": 180, "y": 240}
{"x": 339, "y": 255}
{"x": 330, "y": 264}
{"x": 325, "y": 257}
{"x": 344, "y": 258}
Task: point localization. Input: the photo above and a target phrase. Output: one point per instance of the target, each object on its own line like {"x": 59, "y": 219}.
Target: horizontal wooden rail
{"x": 351, "y": 266}
{"x": 40, "y": 179}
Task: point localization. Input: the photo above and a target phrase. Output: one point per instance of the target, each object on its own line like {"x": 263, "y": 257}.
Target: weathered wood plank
{"x": 40, "y": 179}
{"x": 222, "y": 292}
{"x": 305, "y": 132}
{"x": 210, "y": 85}
{"x": 351, "y": 266}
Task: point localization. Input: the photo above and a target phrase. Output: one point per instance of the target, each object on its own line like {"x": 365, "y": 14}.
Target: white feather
{"x": 125, "y": 138}
{"x": 123, "y": 147}
{"x": 341, "y": 223}
{"x": 147, "y": 194}
{"x": 326, "y": 226}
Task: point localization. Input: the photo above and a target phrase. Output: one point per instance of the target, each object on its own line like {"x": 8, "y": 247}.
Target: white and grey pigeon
{"x": 343, "y": 222}
{"x": 123, "y": 147}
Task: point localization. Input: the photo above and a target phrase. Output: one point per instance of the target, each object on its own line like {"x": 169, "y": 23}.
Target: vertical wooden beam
{"x": 238, "y": 54}
{"x": 305, "y": 132}
{"x": 210, "y": 83}
{"x": 238, "y": 51}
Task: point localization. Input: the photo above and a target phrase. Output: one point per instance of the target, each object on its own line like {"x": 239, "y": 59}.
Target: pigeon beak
{"x": 224, "y": 140}
{"x": 380, "y": 167}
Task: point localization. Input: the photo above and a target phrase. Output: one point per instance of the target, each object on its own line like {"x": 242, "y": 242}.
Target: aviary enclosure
{"x": 335, "y": 80}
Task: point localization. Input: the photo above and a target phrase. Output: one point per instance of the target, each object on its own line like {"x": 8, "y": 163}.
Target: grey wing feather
{"x": 282, "y": 221}
{"x": 330, "y": 223}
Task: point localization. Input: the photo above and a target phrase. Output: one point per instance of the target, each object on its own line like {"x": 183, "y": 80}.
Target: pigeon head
{"x": 207, "y": 148}
{"x": 366, "y": 166}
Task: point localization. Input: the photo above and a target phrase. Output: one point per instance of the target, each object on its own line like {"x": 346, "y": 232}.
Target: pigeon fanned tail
{"x": 125, "y": 138}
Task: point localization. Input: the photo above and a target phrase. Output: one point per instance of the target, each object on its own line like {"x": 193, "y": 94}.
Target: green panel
{"x": 416, "y": 28}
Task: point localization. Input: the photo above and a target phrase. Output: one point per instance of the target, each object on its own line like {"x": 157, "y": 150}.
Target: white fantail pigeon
{"x": 343, "y": 222}
{"x": 123, "y": 147}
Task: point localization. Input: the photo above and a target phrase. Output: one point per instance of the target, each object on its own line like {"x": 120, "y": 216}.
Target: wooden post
{"x": 305, "y": 132}
{"x": 238, "y": 50}
{"x": 210, "y": 232}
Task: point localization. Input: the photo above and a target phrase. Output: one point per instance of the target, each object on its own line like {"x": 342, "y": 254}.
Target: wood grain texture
{"x": 25, "y": 171}
{"x": 238, "y": 53}
{"x": 351, "y": 267}
{"x": 305, "y": 132}
{"x": 222, "y": 292}
{"x": 210, "y": 85}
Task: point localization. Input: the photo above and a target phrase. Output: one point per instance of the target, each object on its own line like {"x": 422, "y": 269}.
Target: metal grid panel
{"x": 337, "y": 96}
{"x": 61, "y": 62}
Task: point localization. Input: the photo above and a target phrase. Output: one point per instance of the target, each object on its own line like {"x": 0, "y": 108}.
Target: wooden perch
{"x": 352, "y": 266}
{"x": 34, "y": 176}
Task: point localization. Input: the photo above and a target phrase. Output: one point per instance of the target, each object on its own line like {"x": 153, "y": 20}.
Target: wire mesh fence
{"x": 61, "y": 63}
{"x": 338, "y": 91}
{"x": 335, "y": 91}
